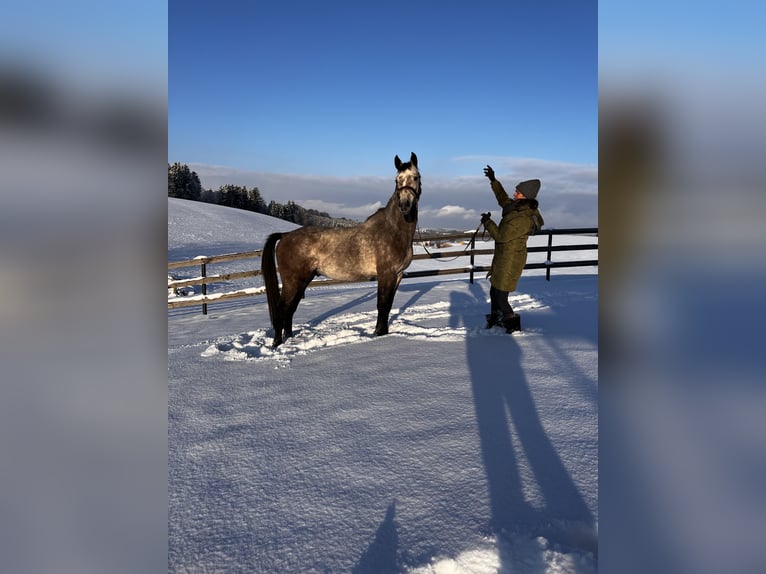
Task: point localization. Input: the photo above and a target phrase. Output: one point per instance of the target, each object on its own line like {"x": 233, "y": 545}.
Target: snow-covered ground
{"x": 198, "y": 229}
{"x": 440, "y": 448}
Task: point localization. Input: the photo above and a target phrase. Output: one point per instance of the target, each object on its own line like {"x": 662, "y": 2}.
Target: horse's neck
{"x": 390, "y": 223}
{"x": 392, "y": 208}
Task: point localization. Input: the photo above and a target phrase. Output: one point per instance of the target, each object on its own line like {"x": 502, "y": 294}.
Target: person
{"x": 520, "y": 219}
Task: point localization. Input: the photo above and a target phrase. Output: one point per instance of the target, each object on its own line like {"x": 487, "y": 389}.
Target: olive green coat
{"x": 511, "y": 238}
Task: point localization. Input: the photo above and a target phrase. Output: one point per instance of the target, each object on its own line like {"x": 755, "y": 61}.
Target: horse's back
{"x": 343, "y": 253}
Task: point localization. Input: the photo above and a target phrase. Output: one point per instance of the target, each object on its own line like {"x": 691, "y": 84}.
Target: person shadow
{"x": 380, "y": 556}
{"x": 521, "y": 463}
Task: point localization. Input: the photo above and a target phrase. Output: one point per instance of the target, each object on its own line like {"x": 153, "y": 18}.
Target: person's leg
{"x": 505, "y": 315}
{"x": 500, "y": 301}
{"x": 512, "y": 322}
{"x": 500, "y": 308}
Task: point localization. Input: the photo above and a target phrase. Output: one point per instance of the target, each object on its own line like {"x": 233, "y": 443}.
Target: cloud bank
{"x": 568, "y": 198}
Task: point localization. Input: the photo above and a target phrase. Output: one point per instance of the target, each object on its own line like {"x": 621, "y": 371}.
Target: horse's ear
{"x": 413, "y": 159}
{"x": 397, "y": 163}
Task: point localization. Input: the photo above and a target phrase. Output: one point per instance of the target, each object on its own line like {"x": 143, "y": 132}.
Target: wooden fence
{"x": 469, "y": 251}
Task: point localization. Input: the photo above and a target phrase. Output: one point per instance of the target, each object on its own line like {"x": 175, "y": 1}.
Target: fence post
{"x": 550, "y": 253}
{"x": 472, "y": 245}
{"x": 204, "y": 289}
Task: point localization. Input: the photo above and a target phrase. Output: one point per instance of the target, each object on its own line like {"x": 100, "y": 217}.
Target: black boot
{"x": 494, "y": 318}
{"x": 512, "y": 323}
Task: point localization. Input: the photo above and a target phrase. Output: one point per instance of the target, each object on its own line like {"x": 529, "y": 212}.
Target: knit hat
{"x": 529, "y": 188}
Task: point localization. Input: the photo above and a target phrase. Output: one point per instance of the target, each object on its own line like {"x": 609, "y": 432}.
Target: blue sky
{"x": 321, "y": 96}
{"x": 89, "y": 46}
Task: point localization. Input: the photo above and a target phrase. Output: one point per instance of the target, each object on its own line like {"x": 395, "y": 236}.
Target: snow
{"x": 442, "y": 447}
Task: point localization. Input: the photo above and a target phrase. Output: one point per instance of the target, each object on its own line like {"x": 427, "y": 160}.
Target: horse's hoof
{"x": 276, "y": 343}
{"x": 380, "y": 333}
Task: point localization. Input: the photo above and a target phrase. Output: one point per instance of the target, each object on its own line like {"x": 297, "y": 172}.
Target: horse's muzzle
{"x": 408, "y": 199}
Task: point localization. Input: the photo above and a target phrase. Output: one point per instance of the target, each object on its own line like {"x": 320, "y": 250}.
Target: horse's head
{"x": 407, "y": 183}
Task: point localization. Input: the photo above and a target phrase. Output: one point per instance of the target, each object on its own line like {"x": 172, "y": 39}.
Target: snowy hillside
{"x": 442, "y": 447}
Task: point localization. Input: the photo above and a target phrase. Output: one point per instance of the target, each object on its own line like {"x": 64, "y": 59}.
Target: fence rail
{"x": 469, "y": 251}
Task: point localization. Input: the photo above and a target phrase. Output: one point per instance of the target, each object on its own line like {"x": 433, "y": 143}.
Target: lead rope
{"x": 472, "y": 241}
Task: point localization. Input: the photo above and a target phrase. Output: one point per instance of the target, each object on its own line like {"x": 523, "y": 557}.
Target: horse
{"x": 379, "y": 248}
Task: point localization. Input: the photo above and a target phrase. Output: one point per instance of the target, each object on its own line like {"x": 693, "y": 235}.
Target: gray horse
{"x": 381, "y": 248}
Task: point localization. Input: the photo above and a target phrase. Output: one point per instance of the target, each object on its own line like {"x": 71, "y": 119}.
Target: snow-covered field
{"x": 440, "y": 448}
{"x": 198, "y": 229}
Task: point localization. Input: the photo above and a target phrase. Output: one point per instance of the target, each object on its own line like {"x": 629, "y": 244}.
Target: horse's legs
{"x": 292, "y": 305}
{"x": 279, "y": 322}
{"x": 284, "y": 323}
{"x": 387, "y": 286}
{"x": 283, "y": 315}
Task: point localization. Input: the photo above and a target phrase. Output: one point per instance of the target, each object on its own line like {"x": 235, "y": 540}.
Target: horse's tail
{"x": 269, "y": 272}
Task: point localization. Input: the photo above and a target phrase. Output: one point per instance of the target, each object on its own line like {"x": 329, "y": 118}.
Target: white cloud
{"x": 453, "y": 211}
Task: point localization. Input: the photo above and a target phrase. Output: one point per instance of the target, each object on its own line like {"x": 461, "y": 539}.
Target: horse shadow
{"x": 414, "y": 291}
{"x": 347, "y": 306}
{"x": 516, "y": 451}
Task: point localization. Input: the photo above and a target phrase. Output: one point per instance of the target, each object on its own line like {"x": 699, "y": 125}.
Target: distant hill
{"x": 185, "y": 184}
{"x": 312, "y": 217}
{"x": 196, "y": 228}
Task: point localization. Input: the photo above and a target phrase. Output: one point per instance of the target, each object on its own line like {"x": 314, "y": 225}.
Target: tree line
{"x": 185, "y": 184}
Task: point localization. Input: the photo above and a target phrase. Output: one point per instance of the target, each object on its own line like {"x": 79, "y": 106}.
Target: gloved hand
{"x": 486, "y": 217}
{"x": 490, "y": 173}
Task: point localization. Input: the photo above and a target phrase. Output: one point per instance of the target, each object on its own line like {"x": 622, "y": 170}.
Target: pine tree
{"x": 230, "y": 195}
{"x": 183, "y": 183}
{"x": 255, "y": 201}
{"x": 276, "y": 209}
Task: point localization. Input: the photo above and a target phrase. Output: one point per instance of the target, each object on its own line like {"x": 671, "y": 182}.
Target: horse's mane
{"x": 374, "y": 214}
{"x": 382, "y": 209}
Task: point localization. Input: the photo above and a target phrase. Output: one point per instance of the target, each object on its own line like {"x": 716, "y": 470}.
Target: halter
{"x": 416, "y": 192}
{"x": 407, "y": 173}
{"x": 415, "y": 197}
